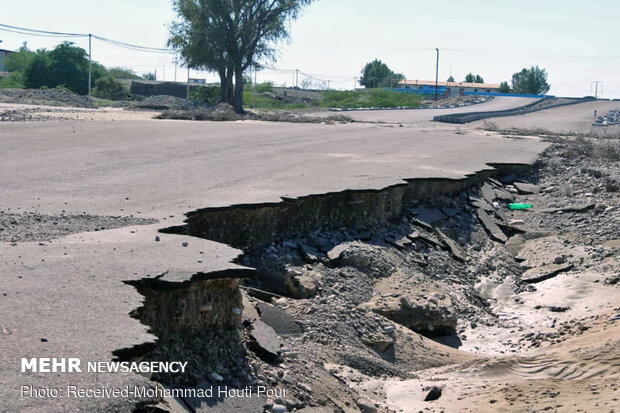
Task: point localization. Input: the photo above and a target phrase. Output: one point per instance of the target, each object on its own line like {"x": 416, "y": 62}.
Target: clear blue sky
{"x": 577, "y": 42}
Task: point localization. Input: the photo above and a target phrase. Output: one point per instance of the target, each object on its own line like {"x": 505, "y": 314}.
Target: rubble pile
{"x": 611, "y": 118}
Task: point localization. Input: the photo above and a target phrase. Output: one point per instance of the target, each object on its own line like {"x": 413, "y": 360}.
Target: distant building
{"x": 448, "y": 89}
{"x": 3, "y": 53}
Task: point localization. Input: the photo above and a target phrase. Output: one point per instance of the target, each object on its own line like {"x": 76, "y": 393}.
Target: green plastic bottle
{"x": 512, "y": 207}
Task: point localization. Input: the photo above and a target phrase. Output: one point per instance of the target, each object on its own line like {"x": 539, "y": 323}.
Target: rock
{"x": 544, "y": 272}
{"x": 308, "y": 253}
{"x": 278, "y": 408}
{"x": 366, "y": 406}
{"x": 504, "y": 195}
{"x": 425, "y": 315}
{"x": 265, "y": 342}
{"x": 456, "y": 251}
{"x": 378, "y": 342}
{"x": 491, "y": 226}
{"x": 249, "y": 312}
{"x": 279, "y": 320}
{"x": 185, "y": 243}
{"x": 572, "y": 208}
{"x": 300, "y": 286}
{"x": 433, "y": 394}
{"x": 481, "y": 204}
{"x": 216, "y": 377}
{"x": 428, "y": 216}
{"x": 157, "y": 238}
{"x": 560, "y": 259}
{"x": 451, "y": 212}
{"x": 398, "y": 242}
{"x": 525, "y": 188}
{"x": 304, "y": 387}
{"x": 428, "y": 238}
{"x": 488, "y": 194}
{"x": 516, "y": 222}
{"x": 335, "y": 252}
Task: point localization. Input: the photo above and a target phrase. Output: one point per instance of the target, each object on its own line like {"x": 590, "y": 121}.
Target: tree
{"x": 66, "y": 65}
{"x": 109, "y": 88}
{"x": 450, "y": 79}
{"x": 19, "y": 61}
{"x": 122, "y": 73}
{"x": 504, "y": 87}
{"x": 231, "y": 36}
{"x": 149, "y": 76}
{"x": 531, "y": 81}
{"x": 470, "y": 78}
{"x": 378, "y": 74}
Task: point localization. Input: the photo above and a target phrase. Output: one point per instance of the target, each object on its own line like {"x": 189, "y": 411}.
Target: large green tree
{"x": 531, "y": 81}
{"x": 378, "y": 74}
{"x": 231, "y": 36}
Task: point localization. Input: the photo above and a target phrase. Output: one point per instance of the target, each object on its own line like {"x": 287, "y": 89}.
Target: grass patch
{"x": 262, "y": 101}
{"x": 377, "y": 98}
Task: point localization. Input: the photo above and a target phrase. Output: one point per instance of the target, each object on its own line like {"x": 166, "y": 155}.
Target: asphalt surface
{"x": 576, "y": 118}
{"x": 413, "y": 116}
{"x": 66, "y": 298}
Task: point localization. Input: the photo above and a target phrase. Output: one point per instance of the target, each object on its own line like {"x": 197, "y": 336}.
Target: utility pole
{"x": 355, "y": 83}
{"x": 596, "y": 82}
{"x": 437, "y": 74}
{"x": 328, "y": 84}
{"x": 175, "y": 71}
{"x": 187, "y": 82}
{"x": 297, "y": 78}
{"x": 90, "y": 62}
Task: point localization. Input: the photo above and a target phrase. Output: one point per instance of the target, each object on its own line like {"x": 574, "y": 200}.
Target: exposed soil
{"x": 225, "y": 112}
{"x": 49, "y": 97}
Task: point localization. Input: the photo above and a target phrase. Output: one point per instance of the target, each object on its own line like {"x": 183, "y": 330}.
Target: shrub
{"x": 206, "y": 94}
{"x": 109, "y": 88}
{"x": 15, "y": 80}
{"x": 264, "y": 87}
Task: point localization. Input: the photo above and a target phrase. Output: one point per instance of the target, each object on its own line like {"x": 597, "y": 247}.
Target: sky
{"x": 576, "y": 42}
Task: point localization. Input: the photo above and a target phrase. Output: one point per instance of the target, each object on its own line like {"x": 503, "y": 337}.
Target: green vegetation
{"x": 264, "y": 87}
{"x": 531, "y": 81}
{"x": 504, "y": 87}
{"x": 470, "y": 78}
{"x": 229, "y": 37}
{"x": 263, "y": 101}
{"x": 109, "y": 88}
{"x": 369, "y": 98}
{"x": 450, "y": 79}
{"x": 378, "y": 74}
{"x": 123, "y": 73}
{"x": 149, "y": 76}
{"x": 205, "y": 94}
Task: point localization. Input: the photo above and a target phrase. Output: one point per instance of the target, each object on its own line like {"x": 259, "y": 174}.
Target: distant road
{"x": 409, "y": 116}
{"x": 565, "y": 119}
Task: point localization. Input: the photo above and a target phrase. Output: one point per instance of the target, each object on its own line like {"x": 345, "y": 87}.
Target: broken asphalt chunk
{"x": 264, "y": 341}
{"x": 544, "y": 272}
{"x": 525, "y": 188}
{"x": 491, "y": 226}
{"x": 456, "y": 251}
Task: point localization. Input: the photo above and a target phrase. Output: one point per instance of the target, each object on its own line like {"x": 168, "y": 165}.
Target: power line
{"x": 45, "y": 33}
